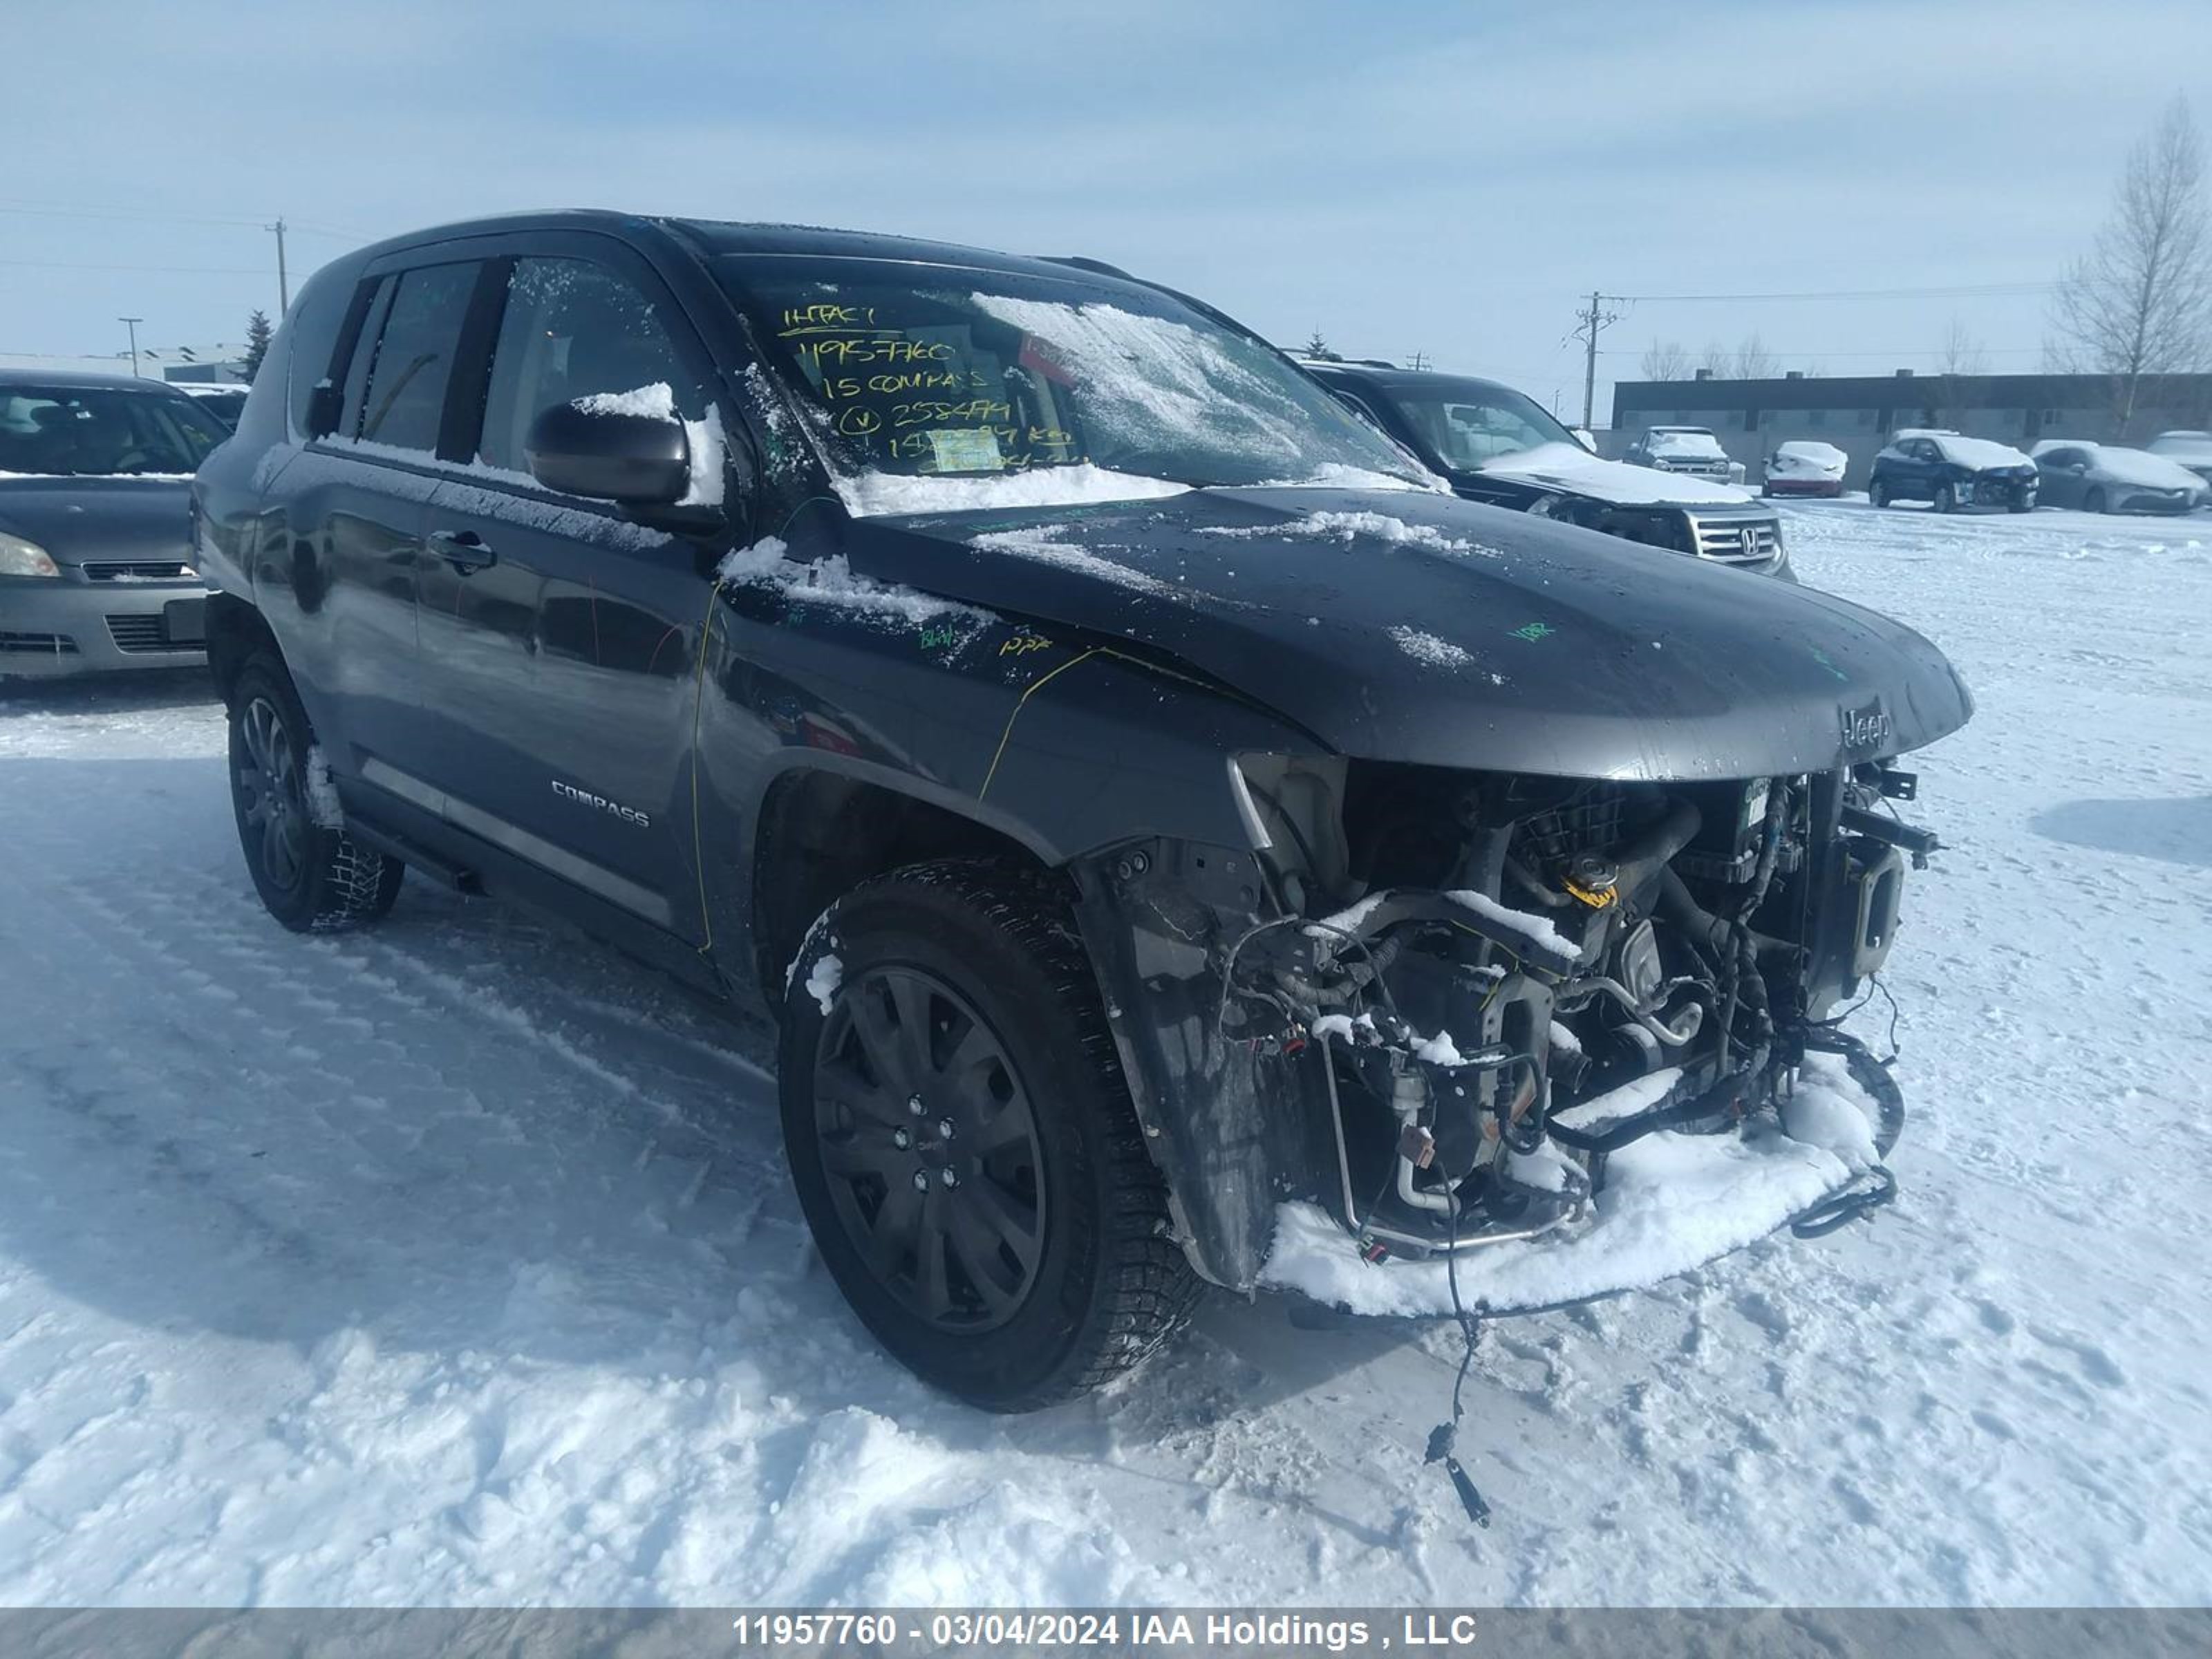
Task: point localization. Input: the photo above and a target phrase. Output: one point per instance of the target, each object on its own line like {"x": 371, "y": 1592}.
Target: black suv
{"x": 1500, "y": 446}
{"x": 1154, "y": 810}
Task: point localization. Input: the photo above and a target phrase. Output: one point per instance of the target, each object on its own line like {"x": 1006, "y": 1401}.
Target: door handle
{"x": 464, "y": 549}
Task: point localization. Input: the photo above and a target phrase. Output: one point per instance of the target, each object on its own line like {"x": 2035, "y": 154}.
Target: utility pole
{"x": 1420, "y": 361}
{"x": 133, "y": 322}
{"x": 284, "y": 285}
{"x": 1588, "y": 325}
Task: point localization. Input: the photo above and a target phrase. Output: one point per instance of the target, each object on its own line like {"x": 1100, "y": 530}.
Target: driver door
{"x": 560, "y": 636}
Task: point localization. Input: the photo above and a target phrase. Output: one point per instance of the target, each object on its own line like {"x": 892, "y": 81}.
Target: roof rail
{"x": 1082, "y": 264}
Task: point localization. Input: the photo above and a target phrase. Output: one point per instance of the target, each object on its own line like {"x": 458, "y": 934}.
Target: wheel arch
{"x": 824, "y": 828}
{"x": 236, "y": 632}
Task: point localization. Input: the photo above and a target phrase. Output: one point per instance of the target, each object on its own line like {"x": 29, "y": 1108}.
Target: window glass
{"x": 404, "y": 398}
{"x": 572, "y": 330}
{"x": 927, "y": 370}
{"x": 87, "y": 431}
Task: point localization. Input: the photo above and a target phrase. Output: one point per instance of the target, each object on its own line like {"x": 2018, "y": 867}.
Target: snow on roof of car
{"x": 2142, "y": 468}
{"x": 1973, "y": 452}
{"x": 1811, "y": 449}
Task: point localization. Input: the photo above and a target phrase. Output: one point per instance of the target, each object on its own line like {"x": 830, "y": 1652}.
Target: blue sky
{"x": 1440, "y": 178}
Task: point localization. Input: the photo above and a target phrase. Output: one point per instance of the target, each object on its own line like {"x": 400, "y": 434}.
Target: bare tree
{"x": 1958, "y": 360}
{"x": 1716, "y": 362}
{"x": 1754, "y": 362}
{"x": 1666, "y": 359}
{"x": 1960, "y": 352}
{"x": 2140, "y": 302}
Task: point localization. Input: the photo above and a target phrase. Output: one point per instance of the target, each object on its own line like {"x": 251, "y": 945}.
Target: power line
{"x": 202, "y": 271}
{"x": 45, "y": 210}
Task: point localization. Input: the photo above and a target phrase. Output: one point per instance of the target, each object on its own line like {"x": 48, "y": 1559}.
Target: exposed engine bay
{"x": 1511, "y": 976}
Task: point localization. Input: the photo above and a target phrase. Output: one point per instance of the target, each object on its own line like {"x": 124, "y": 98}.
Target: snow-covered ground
{"x": 453, "y": 1263}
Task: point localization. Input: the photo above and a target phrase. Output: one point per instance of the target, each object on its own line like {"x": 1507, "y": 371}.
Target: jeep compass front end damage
{"x": 1463, "y": 990}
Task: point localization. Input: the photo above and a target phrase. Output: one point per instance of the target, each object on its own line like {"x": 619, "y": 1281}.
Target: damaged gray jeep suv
{"x": 1181, "y": 842}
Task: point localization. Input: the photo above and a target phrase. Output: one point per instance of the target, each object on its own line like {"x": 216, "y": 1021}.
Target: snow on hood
{"x": 1811, "y": 452}
{"x": 1672, "y": 1203}
{"x": 1690, "y": 446}
{"x": 2142, "y": 469}
{"x": 1585, "y": 655}
{"x": 1572, "y": 468}
{"x": 1981, "y": 453}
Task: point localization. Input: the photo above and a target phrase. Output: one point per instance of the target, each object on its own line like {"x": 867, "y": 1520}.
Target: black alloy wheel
{"x": 272, "y": 796}
{"x": 962, "y": 1140}
{"x": 930, "y": 1147}
{"x": 310, "y": 874}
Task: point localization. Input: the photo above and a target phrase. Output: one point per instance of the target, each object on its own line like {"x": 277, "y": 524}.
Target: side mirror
{"x": 609, "y": 455}
{"x": 1584, "y": 438}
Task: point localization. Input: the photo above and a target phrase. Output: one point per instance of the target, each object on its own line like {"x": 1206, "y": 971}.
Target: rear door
{"x": 560, "y": 636}
{"x": 357, "y": 501}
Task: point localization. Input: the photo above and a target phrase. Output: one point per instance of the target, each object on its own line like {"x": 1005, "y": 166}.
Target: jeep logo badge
{"x": 1867, "y": 727}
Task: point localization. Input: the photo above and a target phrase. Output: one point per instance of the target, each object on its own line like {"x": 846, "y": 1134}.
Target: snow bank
{"x": 885, "y": 495}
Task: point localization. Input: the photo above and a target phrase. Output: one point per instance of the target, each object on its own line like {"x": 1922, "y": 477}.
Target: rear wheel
{"x": 311, "y": 876}
{"x": 963, "y": 1145}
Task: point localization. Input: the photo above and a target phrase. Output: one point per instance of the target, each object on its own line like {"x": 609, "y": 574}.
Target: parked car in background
{"x": 1494, "y": 444}
{"x": 2190, "y": 449}
{"x": 1694, "y": 450}
{"x": 2112, "y": 478}
{"x": 223, "y": 402}
{"x": 1806, "y": 466}
{"x": 1951, "y": 472}
{"x": 95, "y": 554}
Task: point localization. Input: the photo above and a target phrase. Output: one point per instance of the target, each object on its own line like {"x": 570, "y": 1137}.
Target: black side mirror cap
{"x": 609, "y": 455}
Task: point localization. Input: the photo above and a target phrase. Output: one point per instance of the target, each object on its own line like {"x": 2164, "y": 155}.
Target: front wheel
{"x": 2094, "y": 501}
{"x": 1878, "y": 493}
{"x": 311, "y": 875}
{"x": 1947, "y": 499}
{"x": 962, "y": 1143}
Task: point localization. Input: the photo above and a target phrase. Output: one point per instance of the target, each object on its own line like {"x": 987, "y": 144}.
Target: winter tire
{"x": 963, "y": 1145}
{"x": 1947, "y": 499}
{"x": 1877, "y": 494}
{"x": 2094, "y": 501}
{"x": 310, "y": 876}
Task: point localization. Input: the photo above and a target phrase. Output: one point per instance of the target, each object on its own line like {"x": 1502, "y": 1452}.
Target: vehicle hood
{"x": 1573, "y": 470}
{"x": 99, "y": 518}
{"x": 1408, "y": 626}
{"x": 2141, "y": 469}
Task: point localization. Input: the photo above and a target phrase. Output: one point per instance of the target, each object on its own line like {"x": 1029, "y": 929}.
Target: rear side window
{"x": 573, "y": 329}
{"x": 398, "y": 388}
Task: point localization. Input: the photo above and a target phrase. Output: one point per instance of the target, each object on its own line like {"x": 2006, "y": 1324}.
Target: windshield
{"x": 94, "y": 431}
{"x": 930, "y": 372}
{"x": 1469, "y": 423}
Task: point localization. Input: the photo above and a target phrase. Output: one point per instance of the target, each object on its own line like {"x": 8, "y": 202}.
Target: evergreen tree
{"x": 1317, "y": 348}
{"x": 256, "y": 342}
